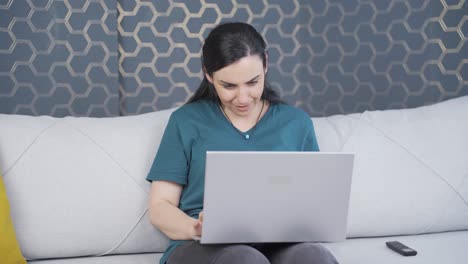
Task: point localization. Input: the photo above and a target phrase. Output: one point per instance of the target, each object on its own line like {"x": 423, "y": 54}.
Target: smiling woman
{"x": 233, "y": 99}
{"x": 239, "y": 93}
{"x": 240, "y": 85}
{"x": 227, "y": 45}
{"x": 235, "y": 63}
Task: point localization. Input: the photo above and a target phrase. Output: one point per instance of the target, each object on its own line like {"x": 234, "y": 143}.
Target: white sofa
{"x": 78, "y": 193}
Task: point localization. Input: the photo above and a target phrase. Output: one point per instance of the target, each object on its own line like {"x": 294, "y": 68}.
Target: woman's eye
{"x": 228, "y": 86}
{"x": 252, "y": 83}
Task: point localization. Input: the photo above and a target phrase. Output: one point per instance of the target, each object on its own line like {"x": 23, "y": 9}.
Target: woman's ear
{"x": 207, "y": 76}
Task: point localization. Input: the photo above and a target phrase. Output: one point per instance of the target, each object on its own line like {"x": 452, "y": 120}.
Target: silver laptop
{"x": 262, "y": 197}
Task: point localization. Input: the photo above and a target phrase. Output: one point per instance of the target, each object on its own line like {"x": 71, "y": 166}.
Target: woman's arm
{"x": 165, "y": 214}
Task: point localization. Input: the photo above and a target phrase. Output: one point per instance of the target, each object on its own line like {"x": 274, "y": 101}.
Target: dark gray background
{"x": 110, "y": 58}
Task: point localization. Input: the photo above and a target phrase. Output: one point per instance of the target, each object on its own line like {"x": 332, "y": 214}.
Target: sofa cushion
{"x": 448, "y": 247}
{"x": 9, "y": 249}
{"x": 411, "y": 170}
{"x": 115, "y": 259}
{"x": 79, "y": 183}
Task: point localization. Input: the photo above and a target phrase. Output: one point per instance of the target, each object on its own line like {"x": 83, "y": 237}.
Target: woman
{"x": 233, "y": 109}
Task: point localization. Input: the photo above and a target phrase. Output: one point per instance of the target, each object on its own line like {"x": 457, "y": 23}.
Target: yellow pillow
{"x": 10, "y": 252}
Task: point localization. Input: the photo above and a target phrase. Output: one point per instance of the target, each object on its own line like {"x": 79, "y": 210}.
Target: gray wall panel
{"x": 116, "y": 57}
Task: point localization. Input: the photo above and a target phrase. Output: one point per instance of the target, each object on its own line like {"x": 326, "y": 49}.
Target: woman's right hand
{"x": 167, "y": 216}
{"x": 197, "y": 227}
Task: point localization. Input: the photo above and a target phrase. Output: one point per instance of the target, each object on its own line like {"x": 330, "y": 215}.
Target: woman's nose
{"x": 243, "y": 95}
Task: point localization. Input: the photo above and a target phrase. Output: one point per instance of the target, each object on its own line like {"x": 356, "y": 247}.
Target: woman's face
{"x": 240, "y": 85}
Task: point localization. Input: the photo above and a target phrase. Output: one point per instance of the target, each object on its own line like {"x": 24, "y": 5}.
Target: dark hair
{"x": 226, "y": 44}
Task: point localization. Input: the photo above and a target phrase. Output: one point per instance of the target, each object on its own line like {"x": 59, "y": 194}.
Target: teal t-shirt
{"x": 201, "y": 126}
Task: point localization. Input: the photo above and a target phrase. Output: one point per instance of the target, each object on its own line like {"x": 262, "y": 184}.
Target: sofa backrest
{"x": 77, "y": 185}
{"x": 410, "y": 171}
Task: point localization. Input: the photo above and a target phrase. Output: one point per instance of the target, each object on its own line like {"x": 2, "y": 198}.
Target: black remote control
{"x": 401, "y": 248}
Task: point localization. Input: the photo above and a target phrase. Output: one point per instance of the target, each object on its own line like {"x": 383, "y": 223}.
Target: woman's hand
{"x": 197, "y": 227}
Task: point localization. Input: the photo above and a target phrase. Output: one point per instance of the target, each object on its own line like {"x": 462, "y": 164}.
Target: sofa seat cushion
{"x": 448, "y": 247}
{"x": 115, "y": 259}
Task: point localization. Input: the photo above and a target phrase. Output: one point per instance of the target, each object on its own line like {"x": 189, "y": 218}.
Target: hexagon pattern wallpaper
{"x": 110, "y": 58}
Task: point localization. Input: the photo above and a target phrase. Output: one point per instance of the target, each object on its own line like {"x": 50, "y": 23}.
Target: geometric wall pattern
{"x": 59, "y": 58}
{"x": 328, "y": 57}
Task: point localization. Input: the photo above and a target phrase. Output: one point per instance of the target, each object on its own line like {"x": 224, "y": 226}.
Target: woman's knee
{"x": 319, "y": 252}
{"x": 240, "y": 254}
{"x": 310, "y": 253}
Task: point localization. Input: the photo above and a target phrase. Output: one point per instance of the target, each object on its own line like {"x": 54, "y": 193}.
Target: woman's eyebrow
{"x": 254, "y": 78}
{"x": 251, "y": 80}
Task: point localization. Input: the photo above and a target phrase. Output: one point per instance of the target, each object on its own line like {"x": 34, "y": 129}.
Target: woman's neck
{"x": 245, "y": 123}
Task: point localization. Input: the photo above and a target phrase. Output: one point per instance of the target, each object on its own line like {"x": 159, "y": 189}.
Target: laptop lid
{"x": 260, "y": 197}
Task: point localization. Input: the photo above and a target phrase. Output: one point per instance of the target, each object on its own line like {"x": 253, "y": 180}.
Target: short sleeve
{"x": 311, "y": 139}
{"x": 170, "y": 162}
